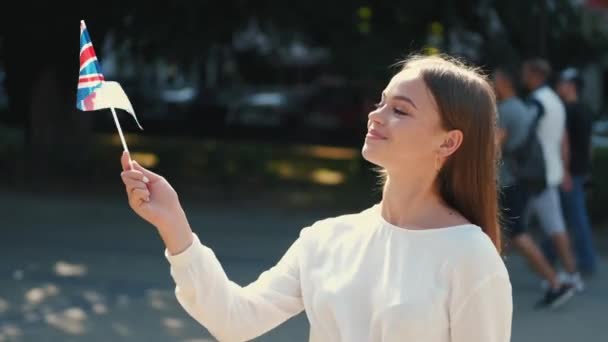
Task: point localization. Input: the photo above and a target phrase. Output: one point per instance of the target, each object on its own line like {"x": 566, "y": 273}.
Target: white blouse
{"x": 359, "y": 278}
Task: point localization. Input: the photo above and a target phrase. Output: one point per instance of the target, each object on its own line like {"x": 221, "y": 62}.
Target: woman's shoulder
{"x": 475, "y": 242}
{"x": 474, "y": 254}
{"x": 330, "y": 227}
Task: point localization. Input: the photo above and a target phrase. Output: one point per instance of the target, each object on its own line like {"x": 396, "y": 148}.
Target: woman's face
{"x": 404, "y": 132}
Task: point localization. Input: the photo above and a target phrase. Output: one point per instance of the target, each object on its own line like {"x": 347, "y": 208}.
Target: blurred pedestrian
{"x": 516, "y": 124}
{"x": 578, "y": 168}
{"x": 422, "y": 265}
{"x": 546, "y": 205}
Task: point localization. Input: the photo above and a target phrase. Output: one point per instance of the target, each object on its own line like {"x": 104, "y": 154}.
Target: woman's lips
{"x": 373, "y": 134}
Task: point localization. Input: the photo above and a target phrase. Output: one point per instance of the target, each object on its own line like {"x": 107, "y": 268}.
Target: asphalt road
{"x": 85, "y": 268}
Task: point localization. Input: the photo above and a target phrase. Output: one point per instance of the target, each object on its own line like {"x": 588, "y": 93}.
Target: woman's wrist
{"x": 176, "y": 233}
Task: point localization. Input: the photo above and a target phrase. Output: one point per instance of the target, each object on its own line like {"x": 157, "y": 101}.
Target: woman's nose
{"x": 376, "y": 116}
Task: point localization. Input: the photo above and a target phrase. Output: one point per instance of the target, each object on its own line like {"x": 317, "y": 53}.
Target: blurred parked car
{"x": 315, "y": 113}
{"x": 276, "y": 108}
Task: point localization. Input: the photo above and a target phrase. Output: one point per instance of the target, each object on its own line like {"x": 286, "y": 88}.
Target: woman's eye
{"x": 399, "y": 112}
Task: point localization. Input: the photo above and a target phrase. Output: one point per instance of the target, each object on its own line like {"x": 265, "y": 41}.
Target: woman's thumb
{"x": 125, "y": 161}
{"x": 151, "y": 175}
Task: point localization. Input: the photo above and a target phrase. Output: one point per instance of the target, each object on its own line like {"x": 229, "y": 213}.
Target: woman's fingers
{"x": 132, "y": 185}
{"x": 129, "y": 165}
{"x": 149, "y": 174}
{"x": 134, "y": 180}
{"x": 134, "y": 175}
{"x": 137, "y": 197}
{"x": 140, "y": 195}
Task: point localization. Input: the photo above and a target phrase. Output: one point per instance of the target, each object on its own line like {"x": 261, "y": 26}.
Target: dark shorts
{"x": 514, "y": 200}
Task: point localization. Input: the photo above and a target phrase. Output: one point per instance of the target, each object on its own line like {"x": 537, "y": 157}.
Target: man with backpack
{"x": 545, "y": 204}
{"x": 518, "y": 176}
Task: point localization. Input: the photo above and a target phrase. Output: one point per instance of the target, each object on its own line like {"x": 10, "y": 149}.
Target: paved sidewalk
{"x": 84, "y": 268}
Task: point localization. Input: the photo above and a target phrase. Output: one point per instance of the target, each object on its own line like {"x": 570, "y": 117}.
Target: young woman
{"x": 422, "y": 265}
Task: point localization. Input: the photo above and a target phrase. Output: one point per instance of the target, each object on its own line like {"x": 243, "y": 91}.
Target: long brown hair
{"x": 466, "y": 101}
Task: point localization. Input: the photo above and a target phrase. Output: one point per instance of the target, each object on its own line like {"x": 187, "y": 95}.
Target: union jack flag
{"x": 90, "y": 76}
{"x": 94, "y": 92}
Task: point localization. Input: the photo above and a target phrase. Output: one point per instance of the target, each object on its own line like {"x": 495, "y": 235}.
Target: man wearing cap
{"x": 577, "y": 168}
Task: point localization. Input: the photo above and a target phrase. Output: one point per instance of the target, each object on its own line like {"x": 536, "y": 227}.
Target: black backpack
{"x": 530, "y": 167}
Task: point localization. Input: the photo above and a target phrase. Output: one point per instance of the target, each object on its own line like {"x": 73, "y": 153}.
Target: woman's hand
{"x": 155, "y": 200}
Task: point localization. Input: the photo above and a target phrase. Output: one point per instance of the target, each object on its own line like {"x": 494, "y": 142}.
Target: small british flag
{"x": 90, "y": 76}
{"x": 94, "y": 92}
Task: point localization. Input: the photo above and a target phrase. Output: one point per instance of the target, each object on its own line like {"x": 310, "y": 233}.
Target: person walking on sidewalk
{"x": 546, "y": 205}
{"x": 424, "y": 264}
{"x": 577, "y": 169}
{"x": 515, "y": 123}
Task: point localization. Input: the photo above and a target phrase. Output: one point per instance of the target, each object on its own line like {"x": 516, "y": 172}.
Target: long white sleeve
{"x": 231, "y": 312}
{"x": 485, "y": 315}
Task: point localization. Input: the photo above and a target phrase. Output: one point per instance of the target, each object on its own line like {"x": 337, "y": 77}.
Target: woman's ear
{"x": 453, "y": 140}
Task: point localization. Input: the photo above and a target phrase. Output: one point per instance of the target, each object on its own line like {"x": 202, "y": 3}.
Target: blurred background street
{"x": 255, "y": 111}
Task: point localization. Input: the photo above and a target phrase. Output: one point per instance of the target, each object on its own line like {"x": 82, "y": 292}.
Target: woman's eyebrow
{"x": 402, "y": 98}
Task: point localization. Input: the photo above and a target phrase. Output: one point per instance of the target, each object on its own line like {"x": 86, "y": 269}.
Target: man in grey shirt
{"x": 514, "y": 123}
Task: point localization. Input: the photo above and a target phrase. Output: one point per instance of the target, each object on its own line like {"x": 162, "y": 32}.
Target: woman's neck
{"x": 411, "y": 201}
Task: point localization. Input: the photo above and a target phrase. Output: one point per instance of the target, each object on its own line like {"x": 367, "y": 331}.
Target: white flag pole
{"x": 122, "y": 137}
